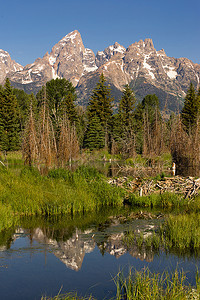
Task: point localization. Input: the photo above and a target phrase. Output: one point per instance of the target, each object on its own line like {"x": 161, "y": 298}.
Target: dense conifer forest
{"x": 51, "y": 129}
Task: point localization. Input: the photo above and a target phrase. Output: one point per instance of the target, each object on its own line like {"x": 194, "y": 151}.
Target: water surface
{"x": 83, "y": 254}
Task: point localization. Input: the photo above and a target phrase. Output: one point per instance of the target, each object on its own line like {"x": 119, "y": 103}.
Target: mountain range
{"x": 145, "y": 69}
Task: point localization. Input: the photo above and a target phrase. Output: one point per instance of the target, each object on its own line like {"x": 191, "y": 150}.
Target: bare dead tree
{"x": 181, "y": 143}
{"x": 46, "y": 138}
{"x": 68, "y": 146}
{"x": 30, "y": 149}
{"x": 153, "y": 135}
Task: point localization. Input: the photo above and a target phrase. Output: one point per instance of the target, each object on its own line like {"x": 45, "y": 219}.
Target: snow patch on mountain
{"x": 27, "y": 78}
{"x": 70, "y": 36}
{"x": 147, "y": 66}
{"x": 17, "y": 67}
{"x": 90, "y": 69}
{"x": 172, "y": 74}
{"x": 120, "y": 49}
{"x": 52, "y": 60}
{"x": 170, "y": 71}
{"x": 3, "y": 53}
{"x": 100, "y": 53}
{"x": 89, "y": 64}
{"x": 54, "y": 74}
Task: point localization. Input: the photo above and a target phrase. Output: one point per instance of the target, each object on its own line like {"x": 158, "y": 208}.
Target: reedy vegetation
{"x": 165, "y": 200}
{"x": 69, "y": 296}
{"x": 142, "y": 285}
{"x": 60, "y": 192}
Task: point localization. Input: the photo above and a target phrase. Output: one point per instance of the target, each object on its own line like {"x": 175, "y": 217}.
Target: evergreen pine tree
{"x": 190, "y": 109}
{"x": 126, "y": 107}
{"x": 68, "y": 108}
{"x": 9, "y": 119}
{"x": 24, "y": 100}
{"x": 95, "y": 137}
{"x": 126, "y": 121}
{"x": 99, "y": 110}
{"x": 150, "y": 105}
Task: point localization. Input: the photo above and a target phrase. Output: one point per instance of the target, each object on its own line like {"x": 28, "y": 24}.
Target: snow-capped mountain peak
{"x": 140, "y": 65}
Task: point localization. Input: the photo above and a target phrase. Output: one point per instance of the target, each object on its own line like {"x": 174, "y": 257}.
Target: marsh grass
{"x": 7, "y": 218}
{"x": 61, "y": 192}
{"x": 165, "y": 200}
{"x": 148, "y": 245}
{"x": 68, "y": 296}
{"x": 143, "y": 285}
{"x": 182, "y": 232}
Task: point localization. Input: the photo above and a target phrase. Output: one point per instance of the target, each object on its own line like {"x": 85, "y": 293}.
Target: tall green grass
{"x": 61, "y": 192}
{"x": 69, "y": 296}
{"x": 165, "y": 200}
{"x": 7, "y": 217}
{"x": 182, "y": 232}
{"x": 144, "y": 285}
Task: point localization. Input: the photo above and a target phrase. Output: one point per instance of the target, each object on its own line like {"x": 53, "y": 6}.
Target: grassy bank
{"x": 182, "y": 232}
{"x": 145, "y": 285}
{"x": 165, "y": 200}
{"x": 59, "y": 192}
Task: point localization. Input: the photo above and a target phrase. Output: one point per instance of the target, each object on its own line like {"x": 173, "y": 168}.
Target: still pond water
{"x": 83, "y": 254}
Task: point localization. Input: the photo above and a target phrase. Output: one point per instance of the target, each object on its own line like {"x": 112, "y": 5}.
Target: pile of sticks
{"x": 188, "y": 187}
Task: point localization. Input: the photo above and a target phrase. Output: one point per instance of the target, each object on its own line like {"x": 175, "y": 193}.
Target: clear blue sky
{"x": 31, "y": 28}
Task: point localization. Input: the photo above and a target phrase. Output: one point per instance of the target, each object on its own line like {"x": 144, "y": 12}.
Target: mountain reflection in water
{"x": 72, "y": 252}
{"x": 71, "y": 244}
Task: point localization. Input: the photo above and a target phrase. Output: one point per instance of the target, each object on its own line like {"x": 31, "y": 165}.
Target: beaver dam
{"x": 188, "y": 187}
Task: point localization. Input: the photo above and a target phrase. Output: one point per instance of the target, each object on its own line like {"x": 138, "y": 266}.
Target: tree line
{"x": 50, "y": 128}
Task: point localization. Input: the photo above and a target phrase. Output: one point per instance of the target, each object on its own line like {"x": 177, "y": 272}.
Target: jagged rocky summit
{"x": 147, "y": 70}
{"x": 7, "y": 65}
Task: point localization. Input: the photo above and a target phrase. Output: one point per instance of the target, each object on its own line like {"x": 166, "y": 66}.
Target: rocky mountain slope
{"x": 7, "y": 65}
{"x": 140, "y": 65}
